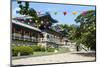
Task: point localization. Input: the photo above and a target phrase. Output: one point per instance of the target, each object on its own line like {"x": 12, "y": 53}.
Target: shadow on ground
{"x": 87, "y": 54}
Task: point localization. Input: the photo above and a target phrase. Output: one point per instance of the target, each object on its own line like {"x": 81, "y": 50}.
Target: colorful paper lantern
{"x": 74, "y": 13}
{"x": 64, "y": 13}
{"x": 84, "y": 13}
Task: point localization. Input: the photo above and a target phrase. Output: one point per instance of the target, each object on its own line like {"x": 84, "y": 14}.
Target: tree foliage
{"x": 85, "y": 32}
{"x": 25, "y": 10}
{"x": 87, "y": 29}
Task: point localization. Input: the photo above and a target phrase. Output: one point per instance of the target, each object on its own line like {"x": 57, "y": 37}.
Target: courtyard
{"x": 57, "y": 58}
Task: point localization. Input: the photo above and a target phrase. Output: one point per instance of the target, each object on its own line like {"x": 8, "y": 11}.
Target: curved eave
{"x": 52, "y": 20}
{"x": 25, "y": 25}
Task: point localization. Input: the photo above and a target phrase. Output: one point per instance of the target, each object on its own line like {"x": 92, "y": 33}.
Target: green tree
{"x": 25, "y": 10}
{"x": 85, "y": 32}
{"x": 87, "y": 29}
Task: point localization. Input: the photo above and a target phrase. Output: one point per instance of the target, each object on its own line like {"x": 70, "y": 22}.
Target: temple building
{"x": 25, "y": 32}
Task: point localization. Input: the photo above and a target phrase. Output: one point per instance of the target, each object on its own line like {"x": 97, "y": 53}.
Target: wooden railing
{"x": 24, "y": 37}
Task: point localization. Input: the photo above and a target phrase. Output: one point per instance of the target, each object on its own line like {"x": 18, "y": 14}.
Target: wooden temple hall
{"x": 25, "y": 32}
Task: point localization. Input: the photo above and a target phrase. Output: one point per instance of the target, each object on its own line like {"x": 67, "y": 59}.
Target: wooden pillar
{"x": 14, "y": 30}
{"x": 13, "y": 33}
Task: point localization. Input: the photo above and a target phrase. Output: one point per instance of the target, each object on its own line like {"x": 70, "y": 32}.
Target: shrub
{"x": 14, "y": 53}
{"x": 42, "y": 48}
{"x": 38, "y": 48}
{"x": 24, "y": 50}
{"x": 50, "y": 49}
{"x": 15, "y": 50}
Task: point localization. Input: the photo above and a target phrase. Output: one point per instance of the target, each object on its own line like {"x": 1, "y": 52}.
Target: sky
{"x": 59, "y": 8}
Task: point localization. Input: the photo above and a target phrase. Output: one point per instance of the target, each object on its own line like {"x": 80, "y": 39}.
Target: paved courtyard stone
{"x": 57, "y": 58}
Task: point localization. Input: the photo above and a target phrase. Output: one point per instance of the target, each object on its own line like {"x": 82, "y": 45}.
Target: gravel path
{"x": 65, "y": 57}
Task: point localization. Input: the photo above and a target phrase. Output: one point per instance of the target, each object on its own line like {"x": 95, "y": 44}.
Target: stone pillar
{"x": 43, "y": 43}
{"x": 44, "y": 39}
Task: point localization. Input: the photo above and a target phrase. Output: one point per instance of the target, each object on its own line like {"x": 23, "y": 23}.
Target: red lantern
{"x": 64, "y": 13}
{"x": 30, "y": 20}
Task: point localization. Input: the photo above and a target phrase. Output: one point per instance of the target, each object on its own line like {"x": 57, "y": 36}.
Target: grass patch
{"x": 63, "y": 50}
{"x": 42, "y": 53}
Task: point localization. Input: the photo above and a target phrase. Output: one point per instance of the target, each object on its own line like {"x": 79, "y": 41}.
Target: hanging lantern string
{"x": 56, "y": 12}
{"x": 64, "y": 12}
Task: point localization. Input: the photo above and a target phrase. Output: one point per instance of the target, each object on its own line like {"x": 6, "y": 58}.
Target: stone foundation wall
{"x": 16, "y": 42}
